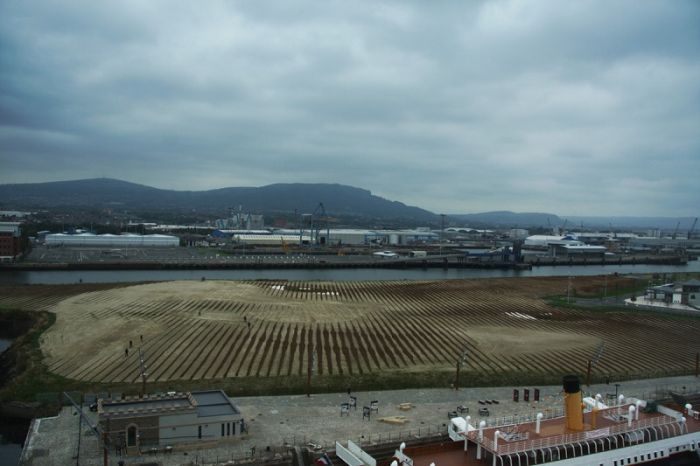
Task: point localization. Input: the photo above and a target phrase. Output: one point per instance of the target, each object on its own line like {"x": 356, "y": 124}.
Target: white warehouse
{"x": 111, "y": 241}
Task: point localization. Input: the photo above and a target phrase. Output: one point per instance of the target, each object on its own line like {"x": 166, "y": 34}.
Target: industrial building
{"x": 334, "y": 237}
{"x": 687, "y": 293}
{"x": 352, "y": 237}
{"x": 270, "y": 239}
{"x": 518, "y": 233}
{"x": 544, "y": 241}
{"x": 111, "y": 241}
{"x": 10, "y": 244}
{"x": 169, "y": 419}
{"x": 570, "y": 251}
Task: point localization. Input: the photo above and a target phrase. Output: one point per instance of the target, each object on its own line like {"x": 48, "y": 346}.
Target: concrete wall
{"x": 217, "y": 421}
{"x": 185, "y": 428}
{"x": 148, "y": 430}
{"x": 694, "y": 298}
{"x": 178, "y": 428}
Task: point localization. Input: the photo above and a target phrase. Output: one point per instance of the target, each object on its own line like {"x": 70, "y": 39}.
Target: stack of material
{"x": 394, "y": 419}
{"x": 405, "y": 406}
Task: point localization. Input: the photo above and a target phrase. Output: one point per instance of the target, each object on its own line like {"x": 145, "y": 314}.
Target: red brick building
{"x": 10, "y": 244}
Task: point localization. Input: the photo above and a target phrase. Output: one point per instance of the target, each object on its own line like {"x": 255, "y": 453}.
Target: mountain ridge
{"x": 338, "y": 199}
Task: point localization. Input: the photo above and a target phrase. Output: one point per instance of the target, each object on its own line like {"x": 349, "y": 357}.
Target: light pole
{"x": 310, "y": 370}
{"x": 461, "y": 359}
{"x": 605, "y": 289}
{"x": 442, "y": 231}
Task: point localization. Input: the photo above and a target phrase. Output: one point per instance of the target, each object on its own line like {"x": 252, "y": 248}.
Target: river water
{"x": 4, "y": 344}
{"x": 131, "y": 276}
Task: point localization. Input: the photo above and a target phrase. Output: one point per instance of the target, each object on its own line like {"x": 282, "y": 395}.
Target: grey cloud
{"x": 584, "y": 108}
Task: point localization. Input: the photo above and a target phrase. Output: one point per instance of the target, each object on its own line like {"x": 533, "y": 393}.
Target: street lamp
{"x": 461, "y": 359}
{"x": 442, "y": 232}
{"x": 310, "y": 370}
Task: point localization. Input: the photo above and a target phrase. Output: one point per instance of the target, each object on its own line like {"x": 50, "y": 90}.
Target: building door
{"x": 131, "y": 435}
{"x": 199, "y": 431}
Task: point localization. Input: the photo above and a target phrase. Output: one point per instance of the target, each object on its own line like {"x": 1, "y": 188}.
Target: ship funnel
{"x": 572, "y": 402}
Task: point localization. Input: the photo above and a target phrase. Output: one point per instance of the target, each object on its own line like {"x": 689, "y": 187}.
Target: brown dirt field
{"x": 221, "y": 329}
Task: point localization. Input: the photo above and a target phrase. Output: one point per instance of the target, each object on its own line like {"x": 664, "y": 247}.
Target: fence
{"x": 268, "y": 456}
{"x": 370, "y": 439}
{"x": 568, "y": 439}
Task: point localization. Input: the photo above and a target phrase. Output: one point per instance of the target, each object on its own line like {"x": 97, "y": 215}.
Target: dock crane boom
{"x": 320, "y": 214}
{"x": 690, "y": 232}
{"x": 675, "y": 232}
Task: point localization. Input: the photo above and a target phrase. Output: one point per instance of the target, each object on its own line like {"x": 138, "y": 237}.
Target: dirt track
{"x": 221, "y": 329}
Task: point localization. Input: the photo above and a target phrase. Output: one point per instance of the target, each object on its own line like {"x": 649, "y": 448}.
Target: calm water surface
{"x": 128, "y": 276}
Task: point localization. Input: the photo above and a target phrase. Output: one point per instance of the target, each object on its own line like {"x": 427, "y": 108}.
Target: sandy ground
{"x": 80, "y": 322}
{"x": 190, "y": 330}
{"x": 498, "y": 340}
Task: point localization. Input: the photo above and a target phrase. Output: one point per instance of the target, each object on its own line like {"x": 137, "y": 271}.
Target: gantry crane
{"x": 675, "y": 232}
{"x": 690, "y": 232}
{"x": 319, "y": 214}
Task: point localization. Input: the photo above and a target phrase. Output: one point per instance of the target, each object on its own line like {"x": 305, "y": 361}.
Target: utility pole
{"x": 442, "y": 231}
{"x": 310, "y": 370}
{"x": 605, "y": 289}
{"x": 593, "y": 361}
{"x": 461, "y": 359}
{"x": 144, "y": 374}
{"x": 80, "y": 431}
{"x": 95, "y": 428}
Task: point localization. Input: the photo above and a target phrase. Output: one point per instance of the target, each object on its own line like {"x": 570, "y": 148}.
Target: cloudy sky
{"x": 574, "y": 108}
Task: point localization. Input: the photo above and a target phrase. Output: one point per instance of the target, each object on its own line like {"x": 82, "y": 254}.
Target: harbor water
{"x": 133, "y": 276}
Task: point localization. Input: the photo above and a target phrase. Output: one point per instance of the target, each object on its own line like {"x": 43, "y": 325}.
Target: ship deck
{"x": 607, "y": 429}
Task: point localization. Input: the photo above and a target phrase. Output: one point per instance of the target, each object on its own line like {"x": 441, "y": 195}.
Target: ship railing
{"x": 549, "y": 413}
{"x": 507, "y": 448}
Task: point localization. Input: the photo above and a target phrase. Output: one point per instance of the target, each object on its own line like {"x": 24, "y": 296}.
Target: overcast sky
{"x": 573, "y": 108}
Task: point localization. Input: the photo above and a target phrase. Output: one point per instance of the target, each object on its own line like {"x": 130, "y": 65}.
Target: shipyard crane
{"x": 690, "y": 232}
{"x": 675, "y": 232}
{"x": 320, "y": 209}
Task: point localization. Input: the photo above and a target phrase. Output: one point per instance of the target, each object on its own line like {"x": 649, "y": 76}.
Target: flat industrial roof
{"x": 213, "y": 403}
{"x": 146, "y": 406}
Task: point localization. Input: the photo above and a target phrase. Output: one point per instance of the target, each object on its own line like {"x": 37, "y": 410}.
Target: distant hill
{"x": 105, "y": 192}
{"x": 508, "y": 219}
{"x": 663, "y": 223}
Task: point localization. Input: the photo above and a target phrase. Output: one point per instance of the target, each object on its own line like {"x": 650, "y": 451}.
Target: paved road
{"x": 278, "y": 420}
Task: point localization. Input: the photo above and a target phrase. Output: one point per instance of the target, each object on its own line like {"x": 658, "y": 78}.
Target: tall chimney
{"x": 572, "y": 403}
